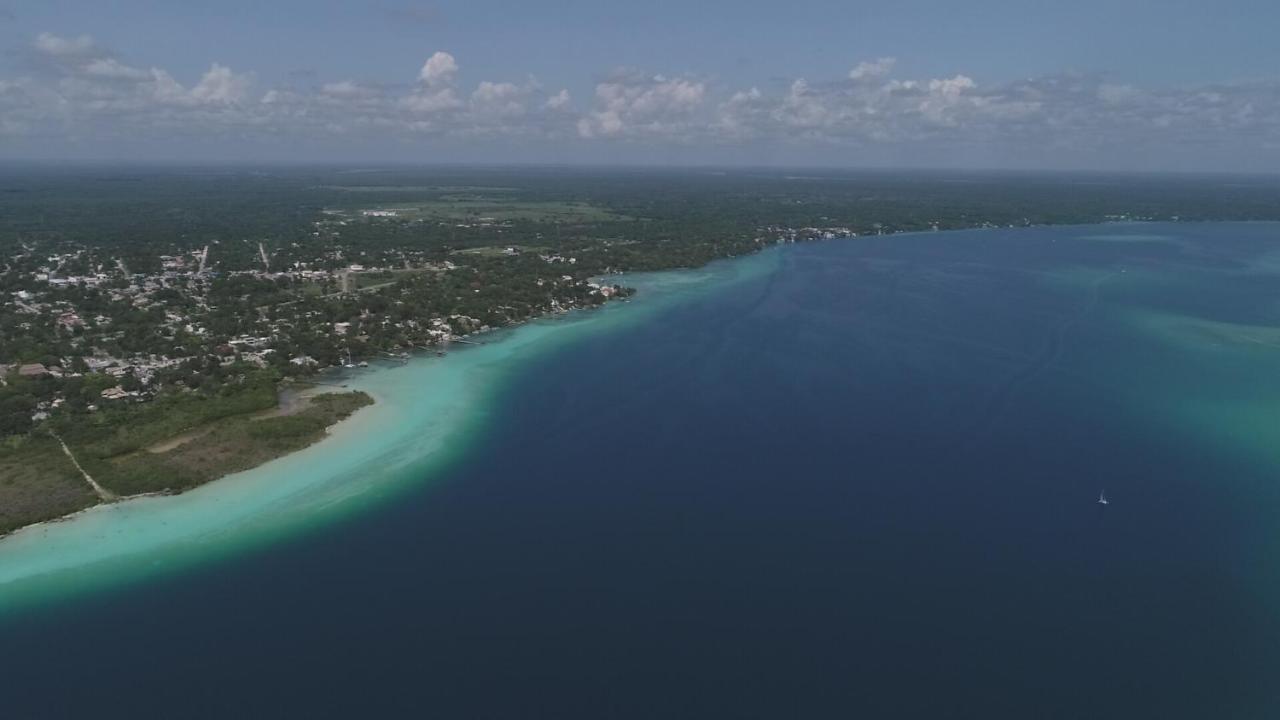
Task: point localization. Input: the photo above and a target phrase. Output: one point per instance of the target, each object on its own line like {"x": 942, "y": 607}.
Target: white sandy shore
{"x": 424, "y": 410}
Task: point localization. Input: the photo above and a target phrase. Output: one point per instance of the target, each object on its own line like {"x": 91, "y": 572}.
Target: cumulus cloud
{"x": 65, "y": 47}
{"x": 872, "y": 69}
{"x": 347, "y": 89}
{"x": 439, "y": 69}
{"x": 559, "y": 101}
{"x": 220, "y": 86}
{"x": 88, "y": 78}
{"x": 111, "y": 68}
{"x": 633, "y": 104}
{"x": 498, "y": 99}
{"x": 76, "y": 88}
{"x": 431, "y": 101}
{"x": 435, "y": 92}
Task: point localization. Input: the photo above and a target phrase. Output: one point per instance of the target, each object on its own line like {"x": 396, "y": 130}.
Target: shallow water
{"x": 843, "y": 479}
{"x": 425, "y": 415}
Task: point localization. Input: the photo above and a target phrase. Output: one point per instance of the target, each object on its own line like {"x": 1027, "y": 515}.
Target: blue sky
{"x": 1173, "y": 85}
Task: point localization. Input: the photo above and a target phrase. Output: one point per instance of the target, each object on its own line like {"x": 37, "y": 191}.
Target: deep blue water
{"x": 863, "y": 486}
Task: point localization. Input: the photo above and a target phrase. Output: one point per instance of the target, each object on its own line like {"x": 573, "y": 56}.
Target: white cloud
{"x": 501, "y": 99}
{"x": 640, "y": 105}
{"x": 166, "y": 90}
{"x": 76, "y": 88}
{"x": 559, "y": 101}
{"x": 952, "y": 87}
{"x": 435, "y": 93}
{"x": 438, "y": 69}
{"x": 872, "y": 69}
{"x": 114, "y": 69}
{"x": 221, "y": 86}
{"x": 431, "y": 101}
{"x": 64, "y": 47}
{"x": 347, "y": 89}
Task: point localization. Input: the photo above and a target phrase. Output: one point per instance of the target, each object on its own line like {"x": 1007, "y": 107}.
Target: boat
{"x": 1102, "y": 498}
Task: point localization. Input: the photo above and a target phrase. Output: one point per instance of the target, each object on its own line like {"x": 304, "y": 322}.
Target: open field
{"x": 371, "y": 280}
{"x": 227, "y": 445}
{"x": 38, "y": 482}
{"x": 419, "y": 188}
{"x": 500, "y": 251}
{"x": 482, "y": 209}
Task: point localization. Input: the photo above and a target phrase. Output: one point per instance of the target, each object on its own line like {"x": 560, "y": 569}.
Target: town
{"x": 90, "y": 331}
{"x": 162, "y": 328}
{"x": 86, "y": 328}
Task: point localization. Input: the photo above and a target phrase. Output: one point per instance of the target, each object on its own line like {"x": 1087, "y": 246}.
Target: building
{"x": 33, "y": 370}
{"x": 70, "y": 320}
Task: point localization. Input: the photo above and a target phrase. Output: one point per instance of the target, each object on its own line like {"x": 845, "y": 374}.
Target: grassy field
{"x": 420, "y": 188}
{"x": 500, "y": 251}
{"x": 370, "y": 280}
{"x": 38, "y": 482}
{"x": 226, "y": 446}
{"x": 467, "y": 208}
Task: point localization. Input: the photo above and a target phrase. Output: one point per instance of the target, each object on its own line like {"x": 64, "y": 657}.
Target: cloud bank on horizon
{"x": 73, "y": 92}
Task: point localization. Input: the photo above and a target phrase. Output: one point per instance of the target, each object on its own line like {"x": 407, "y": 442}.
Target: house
{"x": 33, "y": 370}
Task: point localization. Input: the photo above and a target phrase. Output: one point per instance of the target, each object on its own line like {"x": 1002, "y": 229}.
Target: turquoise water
{"x": 426, "y": 414}
{"x": 845, "y": 479}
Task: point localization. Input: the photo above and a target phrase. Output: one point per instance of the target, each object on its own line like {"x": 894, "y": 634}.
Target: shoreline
{"x": 427, "y": 412}
{"x": 303, "y": 388}
{"x": 290, "y": 402}
{"x": 119, "y": 500}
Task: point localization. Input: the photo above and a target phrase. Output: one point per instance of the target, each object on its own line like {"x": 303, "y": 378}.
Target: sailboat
{"x": 1102, "y": 498}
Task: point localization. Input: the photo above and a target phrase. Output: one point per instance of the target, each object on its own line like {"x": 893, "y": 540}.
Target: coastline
{"x": 212, "y": 450}
{"x": 426, "y": 411}
{"x": 293, "y": 397}
{"x": 326, "y": 375}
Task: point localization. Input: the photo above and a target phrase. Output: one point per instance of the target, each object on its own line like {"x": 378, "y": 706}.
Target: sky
{"x": 1027, "y": 84}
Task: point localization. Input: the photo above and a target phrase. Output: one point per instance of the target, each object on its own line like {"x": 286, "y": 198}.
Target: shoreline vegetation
{"x": 54, "y": 476}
